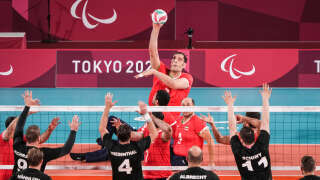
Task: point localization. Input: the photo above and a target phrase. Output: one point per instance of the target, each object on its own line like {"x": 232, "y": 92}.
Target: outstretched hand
{"x": 115, "y": 122}
{"x": 28, "y": 101}
{"x": 228, "y": 98}
{"x": 142, "y": 108}
{"x": 208, "y": 119}
{"x": 145, "y": 73}
{"x": 54, "y": 123}
{"x": 266, "y": 91}
{"x": 74, "y": 125}
{"x": 108, "y": 100}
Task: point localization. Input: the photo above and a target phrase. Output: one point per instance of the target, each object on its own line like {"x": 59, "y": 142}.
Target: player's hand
{"x": 265, "y": 92}
{"x": 145, "y": 73}
{"x": 142, "y": 108}
{"x": 28, "y": 101}
{"x": 115, "y": 122}
{"x": 54, "y": 123}
{"x": 240, "y": 119}
{"x": 108, "y": 100}
{"x": 228, "y": 98}
{"x": 74, "y": 125}
{"x": 209, "y": 119}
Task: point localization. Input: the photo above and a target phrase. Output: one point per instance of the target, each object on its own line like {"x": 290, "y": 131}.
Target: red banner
{"x": 117, "y": 68}
{"x": 96, "y": 20}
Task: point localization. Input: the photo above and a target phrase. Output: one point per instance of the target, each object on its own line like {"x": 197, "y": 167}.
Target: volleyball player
{"x": 160, "y": 99}
{"x": 308, "y": 167}
{"x": 125, "y": 155}
{"x": 6, "y": 142}
{"x": 190, "y": 131}
{"x": 35, "y": 158}
{"x": 173, "y": 80}
{"x": 194, "y": 171}
{"x": 21, "y": 147}
{"x": 251, "y": 120}
{"x": 252, "y": 158}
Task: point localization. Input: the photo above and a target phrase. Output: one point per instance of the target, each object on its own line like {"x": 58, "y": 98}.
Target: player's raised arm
{"x": 8, "y": 132}
{"x": 249, "y": 120}
{"x": 153, "y": 133}
{"x": 163, "y": 126}
{"x": 217, "y": 135}
{"x": 232, "y": 122}
{"x": 265, "y": 94}
{"x": 27, "y": 96}
{"x": 74, "y": 126}
{"x": 45, "y": 136}
{"x": 105, "y": 115}
{"x": 153, "y": 46}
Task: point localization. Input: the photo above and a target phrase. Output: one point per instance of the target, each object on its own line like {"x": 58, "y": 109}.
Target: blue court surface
{"x": 286, "y": 128}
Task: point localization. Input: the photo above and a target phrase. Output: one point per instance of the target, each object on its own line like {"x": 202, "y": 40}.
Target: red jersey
{"x": 6, "y": 157}
{"x": 158, "y": 154}
{"x": 176, "y": 95}
{"x": 171, "y": 119}
{"x": 187, "y": 135}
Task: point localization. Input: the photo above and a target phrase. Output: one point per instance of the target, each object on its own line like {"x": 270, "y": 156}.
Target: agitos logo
{"x": 84, "y": 18}
{"x": 232, "y": 69}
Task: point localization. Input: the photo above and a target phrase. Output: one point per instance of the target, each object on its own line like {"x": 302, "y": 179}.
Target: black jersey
{"x": 253, "y": 163}
{"x": 21, "y": 149}
{"x": 195, "y": 173}
{"x": 126, "y": 158}
{"x": 310, "y": 177}
{"x": 30, "y": 173}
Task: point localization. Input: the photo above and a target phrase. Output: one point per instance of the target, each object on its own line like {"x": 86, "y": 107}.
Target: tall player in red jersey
{"x": 173, "y": 80}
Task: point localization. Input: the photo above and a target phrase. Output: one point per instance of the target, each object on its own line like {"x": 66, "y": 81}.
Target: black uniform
{"x": 310, "y": 177}
{"x": 30, "y": 173}
{"x": 194, "y": 173}
{"x": 253, "y": 163}
{"x": 21, "y": 149}
{"x": 126, "y": 158}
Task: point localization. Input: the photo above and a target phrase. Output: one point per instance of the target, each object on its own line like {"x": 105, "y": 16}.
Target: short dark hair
{"x": 308, "y": 164}
{"x": 35, "y": 156}
{"x": 124, "y": 132}
{"x": 33, "y": 133}
{"x": 9, "y": 120}
{"x": 195, "y": 159}
{"x": 255, "y": 115}
{"x": 163, "y": 97}
{"x": 158, "y": 115}
{"x": 184, "y": 56}
{"x": 247, "y": 135}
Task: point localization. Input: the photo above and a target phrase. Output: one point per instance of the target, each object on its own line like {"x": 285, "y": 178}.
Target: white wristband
{"x": 147, "y": 117}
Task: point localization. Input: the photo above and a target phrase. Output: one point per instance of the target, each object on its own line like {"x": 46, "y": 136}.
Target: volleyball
{"x": 159, "y": 16}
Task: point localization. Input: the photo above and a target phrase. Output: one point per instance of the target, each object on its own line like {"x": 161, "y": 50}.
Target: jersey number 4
{"x": 125, "y": 167}
{"x": 263, "y": 161}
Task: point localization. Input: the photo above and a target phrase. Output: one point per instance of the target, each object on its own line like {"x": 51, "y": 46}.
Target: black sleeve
{"x": 235, "y": 144}
{"x": 107, "y": 141}
{"x": 212, "y": 176}
{"x": 264, "y": 139}
{"x": 13, "y": 177}
{"x": 174, "y": 177}
{"x": 18, "y": 133}
{"x": 144, "y": 143}
{"x": 54, "y": 153}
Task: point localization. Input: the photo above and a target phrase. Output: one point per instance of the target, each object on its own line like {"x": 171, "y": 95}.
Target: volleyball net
{"x": 294, "y": 132}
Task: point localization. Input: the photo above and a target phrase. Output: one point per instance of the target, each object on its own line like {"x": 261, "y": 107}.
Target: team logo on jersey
{"x": 84, "y": 18}
{"x": 232, "y": 69}
{"x": 7, "y": 73}
{"x": 186, "y": 128}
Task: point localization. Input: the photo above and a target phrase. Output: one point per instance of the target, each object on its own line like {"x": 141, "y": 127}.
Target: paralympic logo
{"x": 231, "y": 69}
{"x": 84, "y": 18}
{"x": 7, "y": 73}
